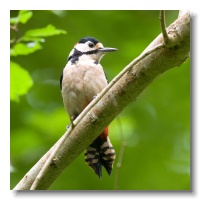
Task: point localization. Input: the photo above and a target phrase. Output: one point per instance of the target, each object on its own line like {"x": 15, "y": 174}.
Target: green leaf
{"x": 14, "y": 20}
{"x": 49, "y": 30}
{"x": 25, "y": 49}
{"x": 23, "y": 17}
{"x": 33, "y": 39}
{"x": 20, "y": 81}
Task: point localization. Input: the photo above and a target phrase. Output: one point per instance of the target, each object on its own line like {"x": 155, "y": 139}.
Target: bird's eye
{"x": 91, "y": 45}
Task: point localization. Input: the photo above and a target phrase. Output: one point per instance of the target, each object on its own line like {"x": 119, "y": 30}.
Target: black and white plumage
{"x": 82, "y": 79}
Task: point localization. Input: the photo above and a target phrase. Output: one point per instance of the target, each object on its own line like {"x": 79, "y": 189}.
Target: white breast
{"x": 81, "y": 83}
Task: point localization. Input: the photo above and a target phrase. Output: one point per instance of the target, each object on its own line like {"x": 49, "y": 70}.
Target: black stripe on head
{"x": 76, "y": 54}
{"x": 90, "y": 52}
{"x": 85, "y": 39}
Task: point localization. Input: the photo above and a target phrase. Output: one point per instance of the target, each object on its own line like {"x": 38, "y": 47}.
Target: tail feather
{"x": 107, "y": 155}
{"x": 92, "y": 158}
{"x": 100, "y": 153}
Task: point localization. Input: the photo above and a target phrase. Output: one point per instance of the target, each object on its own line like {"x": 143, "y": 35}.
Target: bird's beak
{"x": 106, "y": 49}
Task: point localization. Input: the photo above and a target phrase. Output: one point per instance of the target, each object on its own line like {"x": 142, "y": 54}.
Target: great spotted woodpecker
{"x": 82, "y": 79}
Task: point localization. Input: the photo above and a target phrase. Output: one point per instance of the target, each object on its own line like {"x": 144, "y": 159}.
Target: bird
{"x": 82, "y": 79}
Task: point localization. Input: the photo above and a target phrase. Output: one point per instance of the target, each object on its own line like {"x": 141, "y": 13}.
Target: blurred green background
{"x": 156, "y": 126}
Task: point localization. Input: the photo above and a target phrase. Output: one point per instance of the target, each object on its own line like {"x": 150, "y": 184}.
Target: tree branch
{"x": 124, "y": 89}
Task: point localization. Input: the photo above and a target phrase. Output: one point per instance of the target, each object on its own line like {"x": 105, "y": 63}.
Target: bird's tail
{"x": 100, "y": 153}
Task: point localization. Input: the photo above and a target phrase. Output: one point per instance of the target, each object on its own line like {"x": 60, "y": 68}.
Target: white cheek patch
{"x": 83, "y": 47}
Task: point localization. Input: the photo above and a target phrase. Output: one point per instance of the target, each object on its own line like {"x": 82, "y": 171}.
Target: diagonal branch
{"x": 123, "y": 90}
{"x": 86, "y": 110}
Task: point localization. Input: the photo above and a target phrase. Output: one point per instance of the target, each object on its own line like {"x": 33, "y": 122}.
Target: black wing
{"x": 106, "y": 77}
{"x": 61, "y": 78}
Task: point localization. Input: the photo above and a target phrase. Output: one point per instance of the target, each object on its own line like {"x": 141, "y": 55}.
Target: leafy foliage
{"x": 21, "y": 81}
{"x": 25, "y": 49}
{"x": 23, "y": 17}
{"x": 156, "y": 126}
{"x": 49, "y": 30}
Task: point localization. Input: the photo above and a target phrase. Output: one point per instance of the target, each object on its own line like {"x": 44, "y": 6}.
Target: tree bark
{"x": 124, "y": 91}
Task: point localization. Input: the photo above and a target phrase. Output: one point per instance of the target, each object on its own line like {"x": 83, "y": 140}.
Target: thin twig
{"x": 121, "y": 154}
{"x": 163, "y": 27}
{"x": 15, "y": 29}
{"x": 87, "y": 109}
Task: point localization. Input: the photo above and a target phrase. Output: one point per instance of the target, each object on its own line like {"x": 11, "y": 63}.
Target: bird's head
{"x": 89, "y": 47}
